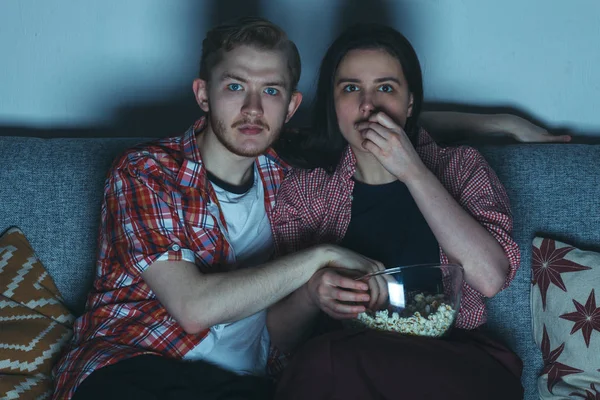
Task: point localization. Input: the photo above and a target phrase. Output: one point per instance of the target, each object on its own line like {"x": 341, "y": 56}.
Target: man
{"x": 183, "y": 272}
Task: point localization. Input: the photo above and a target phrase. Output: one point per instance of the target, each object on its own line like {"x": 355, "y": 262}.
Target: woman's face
{"x": 369, "y": 81}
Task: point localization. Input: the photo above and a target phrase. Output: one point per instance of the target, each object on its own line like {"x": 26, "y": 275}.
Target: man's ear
{"x": 295, "y": 101}
{"x": 410, "y": 105}
{"x": 200, "y": 87}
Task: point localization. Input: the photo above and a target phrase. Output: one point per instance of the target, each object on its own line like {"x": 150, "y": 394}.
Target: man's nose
{"x": 253, "y": 105}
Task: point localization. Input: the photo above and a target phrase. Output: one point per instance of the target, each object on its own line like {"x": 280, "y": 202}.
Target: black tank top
{"x": 387, "y": 225}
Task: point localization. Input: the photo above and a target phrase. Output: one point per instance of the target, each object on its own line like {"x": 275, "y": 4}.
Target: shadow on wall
{"x": 352, "y": 12}
{"x": 357, "y": 11}
{"x": 173, "y": 115}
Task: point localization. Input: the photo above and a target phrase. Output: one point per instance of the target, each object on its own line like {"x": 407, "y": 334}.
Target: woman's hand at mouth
{"x": 388, "y": 142}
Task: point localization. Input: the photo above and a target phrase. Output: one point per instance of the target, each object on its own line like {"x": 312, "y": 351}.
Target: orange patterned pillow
{"x": 34, "y": 323}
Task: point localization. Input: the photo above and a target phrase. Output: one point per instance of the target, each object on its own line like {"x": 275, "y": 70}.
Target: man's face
{"x": 248, "y": 98}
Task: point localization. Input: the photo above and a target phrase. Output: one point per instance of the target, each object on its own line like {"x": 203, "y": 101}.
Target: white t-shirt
{"x": 242, "y": 346}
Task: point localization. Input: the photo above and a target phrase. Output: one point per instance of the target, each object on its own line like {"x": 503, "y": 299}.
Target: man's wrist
{"x": 306, "y": 298}
{"x": 325, "y": 255}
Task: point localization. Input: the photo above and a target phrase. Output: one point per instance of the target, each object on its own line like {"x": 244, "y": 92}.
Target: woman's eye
{"x": 234, "y": 87}
{"x": 350, "y": 88}
{"x": 386, "y": 88}
{"x": 271, "y": 91}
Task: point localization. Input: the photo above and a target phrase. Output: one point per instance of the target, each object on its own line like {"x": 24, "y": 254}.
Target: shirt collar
{"x": 192, "y": 172}
{"x": 272, "y": 157}
{"x": 347, "y": 166}
{"x": 189, "y": 144}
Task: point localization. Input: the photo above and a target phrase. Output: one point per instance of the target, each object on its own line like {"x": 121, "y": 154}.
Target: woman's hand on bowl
{"x": 336, "y": 292}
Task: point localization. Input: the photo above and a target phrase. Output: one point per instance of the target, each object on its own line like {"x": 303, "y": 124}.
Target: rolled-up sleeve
{"x": 485, "y": 198}
{"x": 479, "y": 191}
{"x": 141, "y": 220}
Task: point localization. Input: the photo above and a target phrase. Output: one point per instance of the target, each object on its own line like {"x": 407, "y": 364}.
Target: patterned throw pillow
{"x": 34, "y": 323}
{"x": 565, "y": 304}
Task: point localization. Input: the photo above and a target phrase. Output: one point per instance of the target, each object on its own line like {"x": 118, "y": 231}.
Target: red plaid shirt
{"x": 156, "y": 205}
{"x": 315, "y": 207}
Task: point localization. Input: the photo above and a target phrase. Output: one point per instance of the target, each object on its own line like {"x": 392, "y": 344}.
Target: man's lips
{"x": 250, "y": 129}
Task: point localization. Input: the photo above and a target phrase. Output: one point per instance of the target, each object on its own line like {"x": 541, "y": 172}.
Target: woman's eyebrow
{"x": 387, "y": 79}
{"x": 378, "y": 80}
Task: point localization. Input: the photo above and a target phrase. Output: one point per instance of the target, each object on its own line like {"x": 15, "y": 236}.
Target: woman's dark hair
{"x": 323, "y": 145}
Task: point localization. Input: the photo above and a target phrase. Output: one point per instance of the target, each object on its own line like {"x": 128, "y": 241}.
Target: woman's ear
{"x": 410, "y": 105}
{"x": 200, "y": 87}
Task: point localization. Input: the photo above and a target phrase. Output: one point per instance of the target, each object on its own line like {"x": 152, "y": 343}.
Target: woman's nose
{"x": 366, "y": 105}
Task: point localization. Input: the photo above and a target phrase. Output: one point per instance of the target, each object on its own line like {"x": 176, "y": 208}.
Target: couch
{"x": 52, "y": 189}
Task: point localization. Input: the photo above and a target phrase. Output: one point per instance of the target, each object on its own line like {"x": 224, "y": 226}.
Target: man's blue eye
{"x": 350, "y": 88}
{"x": 271, "y": 91}
{"x": 386, "y": 88}
{"x": 234, "y": 87}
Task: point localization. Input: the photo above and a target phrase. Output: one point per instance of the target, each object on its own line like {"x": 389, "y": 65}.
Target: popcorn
{"x": 430, "y": 317}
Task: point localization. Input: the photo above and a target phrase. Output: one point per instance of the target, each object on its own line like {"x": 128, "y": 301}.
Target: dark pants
{"x": 151, "y": 377}
{"x": 370, "y": 365}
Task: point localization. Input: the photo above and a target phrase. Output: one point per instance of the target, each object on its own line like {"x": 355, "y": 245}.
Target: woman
{"x": 379, "y": 185}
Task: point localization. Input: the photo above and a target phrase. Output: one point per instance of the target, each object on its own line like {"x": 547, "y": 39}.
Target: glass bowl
{"x": 421, "y": 300}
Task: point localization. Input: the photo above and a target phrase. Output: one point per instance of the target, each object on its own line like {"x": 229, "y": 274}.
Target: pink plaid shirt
{"x": 157, "y": 204}
{"x": 315, "y": 207}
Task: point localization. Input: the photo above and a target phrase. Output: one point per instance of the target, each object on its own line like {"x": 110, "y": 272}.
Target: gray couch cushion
{"x": 52, "y": 189}
{"x": 554, "y": 191}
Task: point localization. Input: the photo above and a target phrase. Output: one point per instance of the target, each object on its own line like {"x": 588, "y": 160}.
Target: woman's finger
{"x": 349, "y": 296}
{"x": 345, "y": 282}
{"x": 376, "y": 127}
{"x": 376, "y": 138}
{"x": 372, "y": 148}
{"x": 335, "y": 315}
{"x": 386, "y": 121}
{"x": 348, "y": 309}
{"x": 374, "y": 292}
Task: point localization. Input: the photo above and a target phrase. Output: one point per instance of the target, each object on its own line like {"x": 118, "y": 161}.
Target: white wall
{"x": 76, "y": 63}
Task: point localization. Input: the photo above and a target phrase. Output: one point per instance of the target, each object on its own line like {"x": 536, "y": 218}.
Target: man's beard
{"x": 218, "y": 127}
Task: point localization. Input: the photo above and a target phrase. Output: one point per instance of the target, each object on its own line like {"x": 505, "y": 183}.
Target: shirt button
{"x": 175, "y": 247}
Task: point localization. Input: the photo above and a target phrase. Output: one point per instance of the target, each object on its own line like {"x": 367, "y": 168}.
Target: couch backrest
{"x": 554, "y": 191}
{"x": 52, "y": 189}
